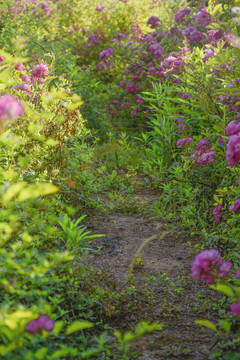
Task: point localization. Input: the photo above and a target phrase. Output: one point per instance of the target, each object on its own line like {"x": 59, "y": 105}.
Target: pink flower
{"x": 139, "y": 100}
{"x": 206, "y": 157}
{"x": 10, "y": 108}
{"x": 19, "y": 66}
{"x": 24, "y": 88}
{"x": 26, "y": 78}
{"x": 43, "y": 322}
{"x": 237, "y": 273}
{"x": 233, "y": 150}
{"x": 233, "y": 128}
{"x": 184, "y": 142}
{"x": 235, "y": 307}
{"x": 205, "y": 265}
{"x": 236, "y": 206}
{"x": 225, "y": 269}
{"x": 2, "y": 58}
{"x": 40, "y": 70}
{"x": 216, "y": 211}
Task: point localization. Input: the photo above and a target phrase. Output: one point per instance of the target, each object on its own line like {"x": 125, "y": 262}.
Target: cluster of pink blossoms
{"x": 216, "y": 212}
{"x": 36, "y": 326}
{"x": 236, "y": 206}
{"x": 10, "y": 108}
{"x": 207, "y": 266}
{"x": 184, "y": 142}
{"x": 233, "y": 145}
{"x": 203, "y": 154}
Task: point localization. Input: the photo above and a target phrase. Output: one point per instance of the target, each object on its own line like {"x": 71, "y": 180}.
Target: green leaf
{"x": 225, "y": 325}
{"x": 78, "y": 325}
{"x": 60, "y": 353}
{"x": 225, "y": 289}
{"x": 207, "y": 324}
{"x": 34, "y": 190}
{"x": 58, "y": 327}
{"x": 40, "y": 354}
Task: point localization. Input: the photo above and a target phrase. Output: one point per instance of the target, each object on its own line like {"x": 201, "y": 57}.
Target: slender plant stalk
{"x": 147, "y": 241}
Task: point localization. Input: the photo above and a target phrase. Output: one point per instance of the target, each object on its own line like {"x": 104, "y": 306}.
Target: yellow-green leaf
{"x": 34, "y": 190}
{"x": 207, "y": 324}
{"x": 225, "y": 325}
{"x": 225, "y": 289}
{"x": 78, "y": 325}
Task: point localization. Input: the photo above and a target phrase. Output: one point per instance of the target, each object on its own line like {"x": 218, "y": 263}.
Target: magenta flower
{"x": 10, "y": 108}
{"x": 233, "y": 128}
{"x": 19, "y": 66}
{"x": 206, "y": 157}
{"x": 24, "y": 87}
{"x": 205, "y": 265}
{"x": 235, "y": 307}
{"x": 225, "y": 269}
{"x": 1, "y": 58}
{"x": 216, "y": 212}
{"x": 233, "y": 150}
{"x": 236, "y": 206}
{"x": 184, "y": 142}
{"x": 43, "y": 322}
{"x": 237, "y": 273}
{"x": 40, "y": 70}
{"x": 121, "y": 36}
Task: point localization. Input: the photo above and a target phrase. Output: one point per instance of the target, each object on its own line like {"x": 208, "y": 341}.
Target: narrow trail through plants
{"x": 160, "y": 288}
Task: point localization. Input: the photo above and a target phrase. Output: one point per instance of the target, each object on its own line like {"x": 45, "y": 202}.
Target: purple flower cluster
{"x": 156, "y": 50}
{"x": 10, "y": 108}
{"x": 233, "y": 150}
{"x": 193, "y": 35}
{"x": 233, "y": 128}
{"x": 208, "y": 53}
{"x": 203, "y": 18}
{"x": 180, "y": 16}
{"x": 39, "y": 71}
{"x": 184, "y": 142}
{"x": 216, "y": 212}
{"x": 36, "y": 326}
{"x": 153, "y": 21}
{"x": 203, "y": 154}
{"x": 207, "y": 266}
{"x": 105, "y": 54}
{"x": 236, "y": 206}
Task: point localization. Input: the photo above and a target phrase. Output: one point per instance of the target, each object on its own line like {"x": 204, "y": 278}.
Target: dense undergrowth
{"x": 98, "y": 98}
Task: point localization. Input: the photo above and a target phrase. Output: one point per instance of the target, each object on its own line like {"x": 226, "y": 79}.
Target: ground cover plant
{"x": 97, "y": 99}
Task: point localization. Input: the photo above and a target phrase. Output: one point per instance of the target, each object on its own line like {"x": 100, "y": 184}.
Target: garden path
{"x": 162, "y": 288}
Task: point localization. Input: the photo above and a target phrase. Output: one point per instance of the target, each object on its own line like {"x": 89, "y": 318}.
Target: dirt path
{"x": 161, "y": 288}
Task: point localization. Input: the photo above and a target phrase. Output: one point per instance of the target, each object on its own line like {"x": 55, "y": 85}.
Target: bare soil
{"x": 161, "y": 287}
